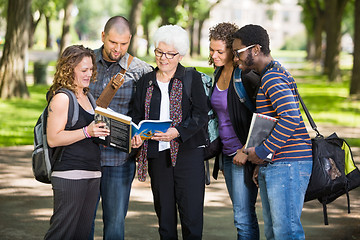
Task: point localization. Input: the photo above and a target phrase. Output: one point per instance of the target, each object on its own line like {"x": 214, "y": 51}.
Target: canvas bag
{"x": 334, "y": 172}
{"x": 43, "y": 156}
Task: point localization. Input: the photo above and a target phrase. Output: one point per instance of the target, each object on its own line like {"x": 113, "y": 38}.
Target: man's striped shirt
{"x": 277, "y": 98}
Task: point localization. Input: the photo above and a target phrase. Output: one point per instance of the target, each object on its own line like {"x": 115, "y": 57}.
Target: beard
{"x": 111, "y": 57}
{"x": 248, "y": 63}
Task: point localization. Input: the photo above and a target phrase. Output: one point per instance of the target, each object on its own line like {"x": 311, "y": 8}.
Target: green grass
{"x": 19, "y": 117}
{"x": 329, "y": 103}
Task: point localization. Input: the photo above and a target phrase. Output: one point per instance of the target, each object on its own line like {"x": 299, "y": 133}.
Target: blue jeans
{"x": 115, "y": 193}
{"x": 282, "y": 190}
{"x": 243, "y": 197}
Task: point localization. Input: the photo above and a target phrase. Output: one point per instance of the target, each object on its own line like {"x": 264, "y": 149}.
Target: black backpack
{"x": 43, "y": 156}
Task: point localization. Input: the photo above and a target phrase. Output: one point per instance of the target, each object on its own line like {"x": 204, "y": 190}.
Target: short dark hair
{"x": 120, "y": 23}
{"x": 254, "y": 34}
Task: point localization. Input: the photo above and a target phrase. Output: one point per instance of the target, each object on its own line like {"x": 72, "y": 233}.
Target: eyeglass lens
{"x": 159, "y": 53}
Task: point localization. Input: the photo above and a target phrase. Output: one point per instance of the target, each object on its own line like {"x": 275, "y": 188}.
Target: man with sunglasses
{"x": 118, "y": 170}
{"x": 284, "y": 159}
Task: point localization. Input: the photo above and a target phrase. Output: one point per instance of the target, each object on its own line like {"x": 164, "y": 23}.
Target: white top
{"x": 76, "y": 174}
{"x": 164, "y": 110}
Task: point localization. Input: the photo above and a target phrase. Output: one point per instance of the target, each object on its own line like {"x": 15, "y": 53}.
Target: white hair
{"x": 172, "y": 35}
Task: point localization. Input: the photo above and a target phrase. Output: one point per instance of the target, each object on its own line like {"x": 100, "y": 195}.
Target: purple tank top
{"x": 226, "y": 131}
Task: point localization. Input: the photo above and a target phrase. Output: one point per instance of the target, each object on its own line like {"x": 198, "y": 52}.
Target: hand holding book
{"x": 260, "y": 129}
{"x": 122, "y": 129}
{"x": 167, "y": 136}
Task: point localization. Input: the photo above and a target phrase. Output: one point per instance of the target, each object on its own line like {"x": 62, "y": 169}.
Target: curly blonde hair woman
{"x": 76, "y": 177}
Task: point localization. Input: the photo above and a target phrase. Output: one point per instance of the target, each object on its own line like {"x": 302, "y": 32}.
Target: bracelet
{"x": 87, "y": 135}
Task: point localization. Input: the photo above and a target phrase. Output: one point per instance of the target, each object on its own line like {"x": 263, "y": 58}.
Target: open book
{"x": 147, "y": 128}
{"x": 260, "y": 128}
{"x": 122, "y": 129}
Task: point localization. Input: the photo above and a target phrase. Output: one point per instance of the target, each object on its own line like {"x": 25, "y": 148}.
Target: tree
{"x": 168, "y": 12}
{"x": 150, "y": 12}
{"x": 204, "y": 14}
{"x": 48, "y": 9}
{"x": 135, "y": 20}
{"x": 34, "y": 19}
{"x": 314, "y": 20}
{"x": 91, "y": 17}
{"x": 66, "y": 37}
{"x": 12, "y": 63}
{"x": 355, "y": 79}
{"x": 334, "y": 10}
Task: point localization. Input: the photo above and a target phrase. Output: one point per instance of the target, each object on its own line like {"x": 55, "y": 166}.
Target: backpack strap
{"x": 188, "y": 80}
{"x": 73, "y": 111}
{"x": 240, "y": 90}
{"x": 323, "y": 201}
{"x": 92, "y": 100}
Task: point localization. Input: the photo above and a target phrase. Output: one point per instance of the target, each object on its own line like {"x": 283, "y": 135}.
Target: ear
{"x": 257, "y": 49}
{"x": 180, "y": 57}
{"x": 103, "y": 37}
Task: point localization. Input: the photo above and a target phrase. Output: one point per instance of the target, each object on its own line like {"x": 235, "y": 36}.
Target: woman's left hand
{"x": 169, "y": 135}
{"x": 136, "y": 141}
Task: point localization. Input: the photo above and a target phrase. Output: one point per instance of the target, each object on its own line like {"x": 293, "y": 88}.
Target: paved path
{"x": 26, "y": 207}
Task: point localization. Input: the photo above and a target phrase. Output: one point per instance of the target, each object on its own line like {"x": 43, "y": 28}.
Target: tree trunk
{"x": 49, "y": 41}
{"x": 147, "y": 37}
{"x": 318, "y": 30}
{"x": 66, "y": 37}
{"x": 201, "y": 23}
{"x": 334, "y": 11}
{"x": 12, "y": 63}
{"x": 355, "y": 78}
{"x": 191, "y": 33}
{"x": 314, "y": 18}
{"x": 310, "y": 46}
{"x": 135, "y": 20}
{"x": 32, "y": 28}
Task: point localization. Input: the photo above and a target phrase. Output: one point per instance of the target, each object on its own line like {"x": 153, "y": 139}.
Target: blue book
{"x": 147, "y": 128}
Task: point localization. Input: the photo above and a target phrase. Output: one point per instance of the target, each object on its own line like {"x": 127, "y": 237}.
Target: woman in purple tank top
{"x": 234, "y": 121}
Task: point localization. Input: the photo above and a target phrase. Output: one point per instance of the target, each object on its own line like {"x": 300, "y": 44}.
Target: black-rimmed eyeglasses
{"x": 237, "y": 52}
{"x": 159, "y": 54}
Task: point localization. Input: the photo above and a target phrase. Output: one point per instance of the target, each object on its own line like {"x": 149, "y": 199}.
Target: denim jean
{"x": 115, "y": 193}
{"x": 282, "y": 190}
{"x": 243, "y": 198}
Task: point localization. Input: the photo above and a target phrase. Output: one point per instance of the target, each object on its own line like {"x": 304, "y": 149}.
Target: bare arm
{"x": 56, "y": 122}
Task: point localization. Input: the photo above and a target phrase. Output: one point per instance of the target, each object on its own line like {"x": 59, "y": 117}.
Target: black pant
{"x": 181, "y": 187}
{"x": 74, "y": 207}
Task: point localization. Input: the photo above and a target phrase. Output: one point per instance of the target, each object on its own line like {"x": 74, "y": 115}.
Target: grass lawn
{"x": 328, "y": 103}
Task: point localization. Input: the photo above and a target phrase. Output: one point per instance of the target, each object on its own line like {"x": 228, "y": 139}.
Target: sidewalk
{"x": 26, "y": 207}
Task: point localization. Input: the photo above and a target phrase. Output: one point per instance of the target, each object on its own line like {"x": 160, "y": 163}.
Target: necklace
{"x": 224, "y": 79}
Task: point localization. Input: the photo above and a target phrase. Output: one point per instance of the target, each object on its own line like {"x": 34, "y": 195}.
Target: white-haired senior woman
{"x": 174, "y": 159}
